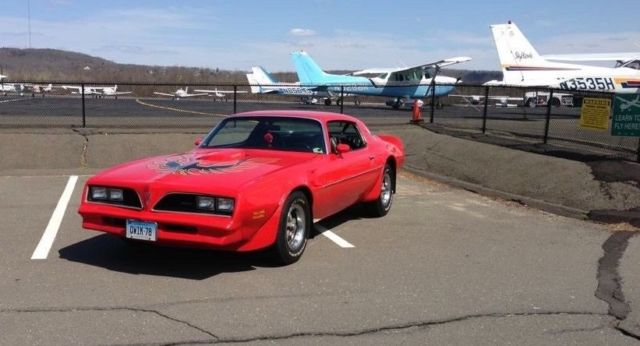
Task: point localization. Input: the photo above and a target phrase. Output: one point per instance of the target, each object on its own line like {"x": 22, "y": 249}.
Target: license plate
{"x": 141, "y": 230}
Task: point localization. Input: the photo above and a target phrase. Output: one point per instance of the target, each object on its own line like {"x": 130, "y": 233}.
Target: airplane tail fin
{"x": 513, "y": 47}
{"x": 308, "y": 71}
{"x": 255, "y": 85}
{"x": 262, "y": 76}
{"x": 516, "y": 54}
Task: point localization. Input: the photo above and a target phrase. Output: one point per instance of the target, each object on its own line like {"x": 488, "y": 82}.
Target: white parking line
{"x": 49, "y": 235}
{"x": 333, "y": 237}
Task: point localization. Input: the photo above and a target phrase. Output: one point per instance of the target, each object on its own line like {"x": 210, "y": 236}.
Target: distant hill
{"x": 58, "y": 65}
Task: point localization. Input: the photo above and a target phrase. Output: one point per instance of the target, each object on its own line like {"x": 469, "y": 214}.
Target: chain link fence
{"x": 529, "y": 115}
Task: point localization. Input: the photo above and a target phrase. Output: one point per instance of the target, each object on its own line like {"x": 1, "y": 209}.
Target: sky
{"x": 351, "y": 35}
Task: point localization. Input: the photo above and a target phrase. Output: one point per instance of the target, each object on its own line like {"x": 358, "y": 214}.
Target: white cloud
{"x": 301, "y": 32}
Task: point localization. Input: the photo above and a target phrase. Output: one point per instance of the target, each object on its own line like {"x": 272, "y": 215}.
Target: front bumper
{"x": 181, "y": 229}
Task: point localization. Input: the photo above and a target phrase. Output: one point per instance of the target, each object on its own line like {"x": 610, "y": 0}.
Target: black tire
{"x": 327, "y": 102}
{"x": 381, "y": 206}
{"x": 555, "y": 102}
{"x": 293, "y": 229}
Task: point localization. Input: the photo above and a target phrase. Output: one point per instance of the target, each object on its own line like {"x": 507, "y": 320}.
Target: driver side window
{"x": 345, "y": 132}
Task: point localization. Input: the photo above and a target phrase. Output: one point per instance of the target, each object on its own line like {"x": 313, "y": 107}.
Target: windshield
{"x": 273, "y": 133}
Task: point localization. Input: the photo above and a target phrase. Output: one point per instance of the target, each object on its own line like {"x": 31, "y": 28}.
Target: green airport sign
{"x": 626, "y": 115}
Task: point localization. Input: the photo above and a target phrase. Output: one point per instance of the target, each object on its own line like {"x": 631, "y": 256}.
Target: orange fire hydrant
{"x": 416, "y": 112}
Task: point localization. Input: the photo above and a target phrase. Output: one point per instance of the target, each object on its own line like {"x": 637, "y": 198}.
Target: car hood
{"x": 202, "y": 169}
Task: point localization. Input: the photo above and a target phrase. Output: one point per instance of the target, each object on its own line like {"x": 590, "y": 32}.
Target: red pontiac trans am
{"x": 257, "y": 180}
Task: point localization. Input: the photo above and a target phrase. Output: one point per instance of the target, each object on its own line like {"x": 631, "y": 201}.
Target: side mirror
{"x": 198, "y": 141}
{"x": 343, "y": 148}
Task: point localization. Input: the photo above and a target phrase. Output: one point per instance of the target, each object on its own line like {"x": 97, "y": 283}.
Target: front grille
{"x": 178, "y": 202}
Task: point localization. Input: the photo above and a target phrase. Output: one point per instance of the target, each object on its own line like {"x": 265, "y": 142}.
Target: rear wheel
{"x": 381, "y": 206}
{"x": 327, "y": 102}
{"x": 293, "y": 230}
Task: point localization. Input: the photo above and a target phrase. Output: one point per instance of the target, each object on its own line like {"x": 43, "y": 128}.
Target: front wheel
{"x": 293, "y": 230}
{"x": 381, "y": 206}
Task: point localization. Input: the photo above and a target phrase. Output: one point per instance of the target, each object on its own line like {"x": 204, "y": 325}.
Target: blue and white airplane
{"x": 401, "y": 84}
{"x": 263, "y": 82}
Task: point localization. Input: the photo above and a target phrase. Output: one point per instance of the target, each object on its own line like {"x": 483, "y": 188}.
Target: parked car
{"x": 257, "y": 180}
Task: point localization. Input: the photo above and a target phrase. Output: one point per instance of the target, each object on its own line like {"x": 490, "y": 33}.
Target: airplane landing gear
{"x": 397, "y": 103}
{"x": 327, "y": 101}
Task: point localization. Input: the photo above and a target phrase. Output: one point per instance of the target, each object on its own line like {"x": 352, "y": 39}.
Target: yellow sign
{"x": 595, "y": 113}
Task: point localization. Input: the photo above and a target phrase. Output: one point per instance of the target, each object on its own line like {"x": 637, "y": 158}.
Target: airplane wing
{"x": 67, "y": 87}
{"x": 122, "y": 92}
{"x": 440, "y": 63}
{"x": 594, "y": 57}
{"x": 163, "y": 94}
{"x": 219, "y": 91}
{"x": 194, "y": 95}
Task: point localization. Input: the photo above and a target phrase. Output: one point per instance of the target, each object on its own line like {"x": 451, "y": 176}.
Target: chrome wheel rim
{"x": 385, "y": 192}
{"x": 295, "y": 226}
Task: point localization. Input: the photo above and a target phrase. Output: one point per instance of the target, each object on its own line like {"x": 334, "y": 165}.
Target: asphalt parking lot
{"x": 446, "y": 266}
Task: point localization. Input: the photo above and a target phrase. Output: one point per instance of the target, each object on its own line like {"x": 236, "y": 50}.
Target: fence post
{"x": 84, "y": 115}
{"x": 235, "y": 94}
{"x": 342, "y": 99}
{"x": 548, "y": 120}
{"x": 433, "y": 98}
{"x": 484, "y": 112}
{"x": 638, "y": 154}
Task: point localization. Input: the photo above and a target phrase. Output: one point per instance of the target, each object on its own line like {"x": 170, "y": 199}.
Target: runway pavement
{"x": 446, "y": 266}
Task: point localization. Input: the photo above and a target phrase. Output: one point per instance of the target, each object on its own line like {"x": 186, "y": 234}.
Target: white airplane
{"x": 180, "y": 93}
{"x": 113, "y": 91}
{"x": 221, "y": 94}
{"x": 38, "y": 89}
{"x": 88, "y": 90}
{"x": 263, "y": 82}
{"x": 523, "y": 66}
{"x": 629, "y": 104}
{"x": 11, "y": 88}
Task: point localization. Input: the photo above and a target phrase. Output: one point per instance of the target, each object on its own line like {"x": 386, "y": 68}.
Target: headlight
{"x": 218, "y": 205}
{"x": 225, "y": 205}
{"x": 115, "y": 195}
{"x": 98, "y": 193}
{"x": 206, "y": 203}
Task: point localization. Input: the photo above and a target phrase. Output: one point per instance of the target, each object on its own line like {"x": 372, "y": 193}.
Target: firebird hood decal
{"x": 193, "y": 165}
